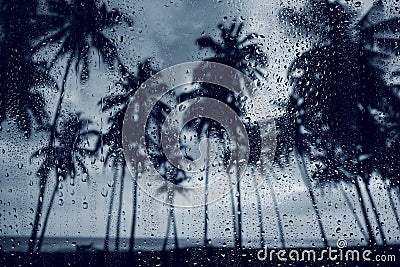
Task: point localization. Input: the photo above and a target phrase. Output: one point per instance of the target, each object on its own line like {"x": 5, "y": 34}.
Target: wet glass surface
{"x": 294, "y": 142}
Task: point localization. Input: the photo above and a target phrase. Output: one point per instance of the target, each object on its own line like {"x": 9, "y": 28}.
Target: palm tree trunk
{"x": 38, "y": 214}
{"x": 134, "y": 193}
{"x": 393, "y": 205}
{"x": 109, "y": 215}
{"x": 46, "y": 219}
{"x": 173, "y": 219}
{"x": 164, "y": 247}
{"x": 307, "y": 182}
{"x": 239, "y": 210}
{"x": 371, "y": 240}
{"x": 276, "y": 209}
{"x": 205, "y": 241}
{"x": 376, "y": 214}
{"x": 259, "y": 212}
{"x": 397, "y": 192}
{"x": 43, "y": 184}
{"x": 233, "y": 211}
{"x": 348, "y": 202}
{"x": 121, "y": 197}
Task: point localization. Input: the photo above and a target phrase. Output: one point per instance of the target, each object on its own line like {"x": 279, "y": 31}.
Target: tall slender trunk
{"x": 109, "y": 215}
{"x": 371, "y": 240}
{"x": 358, "y": 221}
{"x": 397, "y": 189}
{"x": 307, "y": 182}
{"x": 42, "y": 190}
{"x": 276, "y": 209}
{"x": 171, "y": 220}
{"x": 46, "y": 219}
{"x": 231, "y": 193}
{"x": 121, "y": 198}
{"x": 205, "y": 241}
{"x": 134, "y": 193}
{"x": 393, "y": 205}
{"x": 259, "y": 213}
{"x": 38, "y": 214}
{"x": 375, "y": 211}
{"x": 239, "y": 209}
{"x": 164, "y": 247}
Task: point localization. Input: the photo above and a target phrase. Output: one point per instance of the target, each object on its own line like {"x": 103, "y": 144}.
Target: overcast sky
{"x": 166, "y": 31}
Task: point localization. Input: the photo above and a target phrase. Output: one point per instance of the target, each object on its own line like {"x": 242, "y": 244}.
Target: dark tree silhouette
{"x": 78, "y": 25}
{"x": 160, "y": 162}
{"x": 81, "y": 30}
{"x": 19, "y": 73}
{"x": 243, "y": 53}
{"x": 112, "y": 139}
{"x": 380, "y": 42}
{"x": 330, "y": 112}
{"x": 66, "y": 156}
{"x": 276, "y": 207}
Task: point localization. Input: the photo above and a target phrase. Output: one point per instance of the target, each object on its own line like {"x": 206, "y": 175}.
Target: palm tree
{"x": 80, "y": 29}
{"x": 171, "y": 214}
{"x": 79, "y": 26}
{"x": 65, "y": 157}
{"x": 245, "y": 54}
{"x": 380, "y": 42}
{"x": 276, "y": 207}
{"x": 317, "y": 79}
{"x": 113, "y": 140}
{"x": 19, "y": 73}
{"x": 330, "y": 112}
{"x": 173, "y": 176}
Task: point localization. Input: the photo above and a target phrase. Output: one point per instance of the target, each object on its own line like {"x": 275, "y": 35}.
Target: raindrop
{"x": 84, "y": 177}
{"x": 104, "y": 192}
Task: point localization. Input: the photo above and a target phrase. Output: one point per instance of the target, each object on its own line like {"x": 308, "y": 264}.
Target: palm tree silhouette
{"x": 19, "y": 73}
{"x": 243, "y": 53}
{"x": 177, "y": 179}
{"x": 316, "y": 111}
{"x": 329, "y": 115}
{"x": 276, "y": 207}
{"x": 380, "y": 43}
{"x": 79, "y": 27}
{"x": 80, "y": 30}
{"x": 173, "y": 176}
{"x": 66, "y": 156}
{"x": 113, "y": 140}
